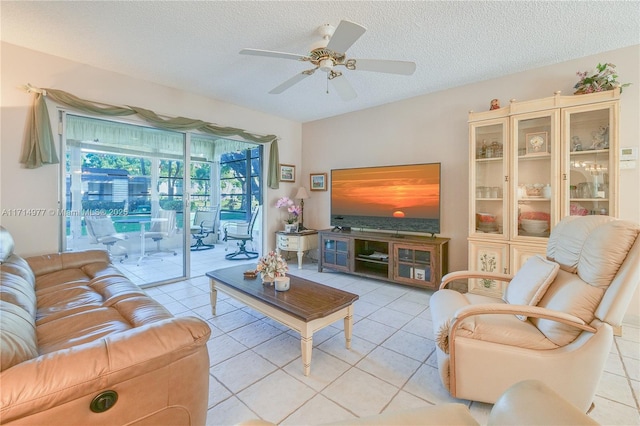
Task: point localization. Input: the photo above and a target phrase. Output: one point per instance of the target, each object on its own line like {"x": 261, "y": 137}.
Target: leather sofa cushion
{"x": 594, "y": 246}
{"x": 46, "y": 264}
{"x": 531, "y": 282}
{"x": 65, "y": 299}
{"x": 17, "y": 291}
{"x": 568, "y": 237}
{"x": 78, "y": 328}
{"x": 507, "y": 330}
{"x": 18, "y": 337}
{"x": 569, "y": 294}
{"x": 497, "y": 328}
{"x": 17, "y": 315}
{"x": 15, "y": 265}
{"x": 605, "y": 250}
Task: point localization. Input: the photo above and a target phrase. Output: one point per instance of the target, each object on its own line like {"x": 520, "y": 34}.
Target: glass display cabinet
{"x": 534, "y": 171}
{"x": 489, "y": 193}
{"x": 531, "y": 164}
{"x": 589, "y": 162}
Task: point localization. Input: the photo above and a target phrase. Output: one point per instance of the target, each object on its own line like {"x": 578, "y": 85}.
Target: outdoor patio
{"x": 157, "y": 267}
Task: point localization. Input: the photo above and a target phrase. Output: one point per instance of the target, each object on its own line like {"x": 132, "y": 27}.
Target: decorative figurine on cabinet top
{"x": 495, "y": 104}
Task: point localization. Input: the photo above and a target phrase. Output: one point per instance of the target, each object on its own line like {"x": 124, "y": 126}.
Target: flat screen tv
{"x": 393, "y": 198}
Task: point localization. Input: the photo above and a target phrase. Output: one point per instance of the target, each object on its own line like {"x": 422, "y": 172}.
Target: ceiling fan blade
{"x": 344, "y": 88}
{"x": 272, "y": 54}
{"x": 345, "y": 35}
{"x": 381, "y": 65}
{"x": 293, "y": 80}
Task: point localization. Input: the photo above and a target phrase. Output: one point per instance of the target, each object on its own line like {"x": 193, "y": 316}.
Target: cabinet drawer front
{"x": 292, "y": 243}
{"x": 287, "y": 243}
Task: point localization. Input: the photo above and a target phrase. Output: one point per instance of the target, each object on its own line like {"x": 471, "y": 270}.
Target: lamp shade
{"x": 302, "y": 194}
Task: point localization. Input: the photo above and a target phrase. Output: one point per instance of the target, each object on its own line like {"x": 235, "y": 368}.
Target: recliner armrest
{"x": 527, "y": 310}
{"x": 458, "y": 275}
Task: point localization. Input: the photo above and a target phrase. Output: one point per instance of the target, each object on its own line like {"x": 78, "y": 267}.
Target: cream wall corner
{"x": 22, "y": 188}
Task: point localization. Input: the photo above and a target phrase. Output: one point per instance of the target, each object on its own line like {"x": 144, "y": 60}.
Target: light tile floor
{"x": 256, "y": 369}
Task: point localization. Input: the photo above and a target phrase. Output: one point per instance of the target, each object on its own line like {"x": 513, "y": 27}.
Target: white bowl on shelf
{"x": 534, "y": 226}
{"x": 487, "y": 227}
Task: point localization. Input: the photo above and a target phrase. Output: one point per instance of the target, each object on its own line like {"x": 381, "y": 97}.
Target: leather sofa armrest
{"x": 531, "y": 402}
{"x": 459, "y": 275}
{"x": 59, "y": 377}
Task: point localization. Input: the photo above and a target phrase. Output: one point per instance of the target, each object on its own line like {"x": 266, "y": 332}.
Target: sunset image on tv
{"x": 392, "y": 197}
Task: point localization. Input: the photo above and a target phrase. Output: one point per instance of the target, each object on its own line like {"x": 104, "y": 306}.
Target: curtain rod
{"x": 39, "y": 146}
{"x": 31, "y": 89}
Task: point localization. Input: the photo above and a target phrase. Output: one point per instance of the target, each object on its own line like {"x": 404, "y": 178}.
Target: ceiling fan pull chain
{"x": 327, "y": 84}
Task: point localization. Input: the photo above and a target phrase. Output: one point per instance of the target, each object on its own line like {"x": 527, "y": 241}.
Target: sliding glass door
{"x": 157, "y": 200}
{"x": 124, "y": 192}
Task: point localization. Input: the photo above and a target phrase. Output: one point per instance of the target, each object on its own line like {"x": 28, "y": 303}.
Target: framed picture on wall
{"x": 287, "y": 173}
{"x": 318, "y": 181}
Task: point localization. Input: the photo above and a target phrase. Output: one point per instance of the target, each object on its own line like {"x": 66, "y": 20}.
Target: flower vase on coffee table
{"x": 271, "y": 266}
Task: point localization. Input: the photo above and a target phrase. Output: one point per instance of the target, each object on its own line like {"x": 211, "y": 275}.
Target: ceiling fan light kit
{"x": 329, "y": 53}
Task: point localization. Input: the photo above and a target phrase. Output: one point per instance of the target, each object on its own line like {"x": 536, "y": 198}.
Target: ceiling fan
{"x": 329, "y": 53}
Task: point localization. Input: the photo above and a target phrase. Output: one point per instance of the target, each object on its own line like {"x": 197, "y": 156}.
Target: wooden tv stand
{"x": 403, "y": 259}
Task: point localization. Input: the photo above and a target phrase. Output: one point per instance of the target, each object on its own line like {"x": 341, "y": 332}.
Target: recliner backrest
{"x": 599, "y": 258}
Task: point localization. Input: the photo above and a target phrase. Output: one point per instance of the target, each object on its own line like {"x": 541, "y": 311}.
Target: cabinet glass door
{"x": 414, "y": 265}
{"x": 489, "y": 188}
{"x": 588, "y": 182}
{"x": 535, "y": 145}
{"x": 336, "y": 252}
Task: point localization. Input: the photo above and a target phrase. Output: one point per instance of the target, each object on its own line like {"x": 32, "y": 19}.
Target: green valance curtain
{"x": 39, "y": 145}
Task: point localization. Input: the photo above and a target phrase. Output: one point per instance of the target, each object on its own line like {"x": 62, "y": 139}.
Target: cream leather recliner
{"x": 555, "y": 320}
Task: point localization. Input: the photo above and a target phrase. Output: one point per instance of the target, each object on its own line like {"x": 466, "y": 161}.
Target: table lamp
{"x": 302, "y": 195}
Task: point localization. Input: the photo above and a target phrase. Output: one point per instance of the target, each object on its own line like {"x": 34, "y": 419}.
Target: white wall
{"x": 433, "y": 128}
{"x": 22, "y": 188}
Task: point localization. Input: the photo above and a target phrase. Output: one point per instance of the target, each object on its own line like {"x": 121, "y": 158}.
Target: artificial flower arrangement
{"x": 271, "y": 265}
{"x": 293, "y": 210}
{"x": 602, "y": 78}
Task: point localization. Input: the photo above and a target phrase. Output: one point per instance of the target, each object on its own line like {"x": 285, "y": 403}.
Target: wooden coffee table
{"x": 306, "y": 307}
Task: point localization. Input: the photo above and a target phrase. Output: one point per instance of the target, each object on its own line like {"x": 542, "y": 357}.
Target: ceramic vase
{"x": 290, "y": 227}
{"x": 282, "y": 283}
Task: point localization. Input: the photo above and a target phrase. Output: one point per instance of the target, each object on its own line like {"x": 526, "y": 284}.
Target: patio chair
{"x": 163, "y": 227}
{"x": 205, "y": 226}
{"x": 242, "y": 232}
{"x": 101, "y": 230}
{"x": 555, "y": 321}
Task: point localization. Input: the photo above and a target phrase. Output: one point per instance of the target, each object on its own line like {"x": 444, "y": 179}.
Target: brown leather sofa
{"x": 82, "y": 345}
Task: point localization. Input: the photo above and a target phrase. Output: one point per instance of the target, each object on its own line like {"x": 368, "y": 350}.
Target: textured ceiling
{"x": 194, "y": 46}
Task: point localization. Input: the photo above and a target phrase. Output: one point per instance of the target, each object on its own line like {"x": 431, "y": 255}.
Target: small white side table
{"x": 296, "y": 241}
